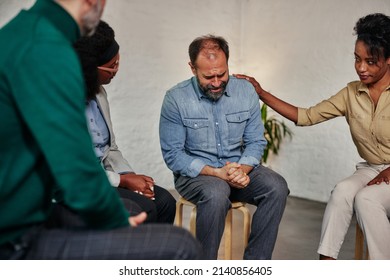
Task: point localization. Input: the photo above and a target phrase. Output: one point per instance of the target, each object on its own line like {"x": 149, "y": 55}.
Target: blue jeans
{"x": 267, "y": 190}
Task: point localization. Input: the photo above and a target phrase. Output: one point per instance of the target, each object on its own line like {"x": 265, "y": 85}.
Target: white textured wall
{"x": 300, "y": 50}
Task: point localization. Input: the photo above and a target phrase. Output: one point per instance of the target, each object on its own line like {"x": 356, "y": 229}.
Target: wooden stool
{"x": 360, "y": 247}
{"x": 228, "y": 223}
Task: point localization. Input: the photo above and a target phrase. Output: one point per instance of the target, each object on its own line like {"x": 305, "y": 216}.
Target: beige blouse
{"x": 369, "y": 126}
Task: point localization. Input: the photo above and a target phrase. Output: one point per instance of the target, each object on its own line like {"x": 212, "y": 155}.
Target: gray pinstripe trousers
{"x": 66, "y": 237}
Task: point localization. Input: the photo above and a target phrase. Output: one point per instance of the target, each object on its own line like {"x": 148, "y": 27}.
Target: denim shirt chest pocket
{"x": 196, "y": 133}
{"x": 236, "y": 126}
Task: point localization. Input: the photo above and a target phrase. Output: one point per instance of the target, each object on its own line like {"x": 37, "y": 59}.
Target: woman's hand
{"x": 141, "y": 184}
{"x": 383, "y": 176}
{"x": 287, "y": 110}
{"x": 253, "y": 81}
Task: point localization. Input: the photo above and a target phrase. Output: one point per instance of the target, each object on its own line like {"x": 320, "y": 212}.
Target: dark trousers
{"x": 65, "y": 236}
{"x": 267, "y": 191}
{"x": 160, "y": 210}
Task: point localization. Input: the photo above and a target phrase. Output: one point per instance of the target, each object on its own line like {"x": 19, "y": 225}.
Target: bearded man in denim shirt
{"x": 212, "y": 138}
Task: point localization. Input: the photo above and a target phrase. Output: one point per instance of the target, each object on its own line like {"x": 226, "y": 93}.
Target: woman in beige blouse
{"x": 366, "y": 106}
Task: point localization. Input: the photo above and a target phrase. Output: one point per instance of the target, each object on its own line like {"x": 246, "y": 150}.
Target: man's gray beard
{"x": 209, "y": 94}
{"x": 91, "y": 20}
{"x": 213, "y": 96}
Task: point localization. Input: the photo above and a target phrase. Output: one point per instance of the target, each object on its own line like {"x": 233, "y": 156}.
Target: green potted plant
{"x": 275, "y": 131}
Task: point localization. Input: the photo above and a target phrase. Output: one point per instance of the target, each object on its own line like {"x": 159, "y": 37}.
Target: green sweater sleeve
{"x": 50, "y": 97}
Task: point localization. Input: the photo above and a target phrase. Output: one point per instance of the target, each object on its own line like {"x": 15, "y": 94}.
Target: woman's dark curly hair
{"x": 374, "y": 31}
{"x": 90, "y": 50}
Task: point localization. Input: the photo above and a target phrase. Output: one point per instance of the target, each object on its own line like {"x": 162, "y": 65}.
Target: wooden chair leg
{"x": 193, "y": 222}
{"x": 359, "y": 243}
{"x": 179, "y": 214}
{"x": 247, "y": 223}
{"x": 228, "y": 231}
{"x": 228, "y": 234}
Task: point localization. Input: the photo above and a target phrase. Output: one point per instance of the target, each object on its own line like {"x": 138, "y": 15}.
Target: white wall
{"x": 300, "y": 50}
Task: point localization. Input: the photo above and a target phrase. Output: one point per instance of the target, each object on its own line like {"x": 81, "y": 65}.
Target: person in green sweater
{"x": 46, "y": 148}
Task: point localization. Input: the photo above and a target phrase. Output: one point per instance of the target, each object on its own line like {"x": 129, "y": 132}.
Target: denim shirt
{"x": 97, "y": 128}
{"x": 196, "y": 131}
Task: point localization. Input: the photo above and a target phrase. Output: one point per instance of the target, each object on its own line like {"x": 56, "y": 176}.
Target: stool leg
{"x": 228, "y": 235}
{"x": 179, "y": 214}
{"x": 359, "y": 243}
{"x": 193, "y": 222}
{"x": 247, "y": 223}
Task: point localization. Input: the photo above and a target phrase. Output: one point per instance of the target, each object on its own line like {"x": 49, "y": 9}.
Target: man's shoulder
{"x": 36, "y": 37}
{"x": 182, "y": 86}
{"x": 240, "y": 83}
{"x": 183, "y": 91}
{"x": 18, "y": 35}
{"x": 240, "y": 88}
{"x": 30, "y": 28}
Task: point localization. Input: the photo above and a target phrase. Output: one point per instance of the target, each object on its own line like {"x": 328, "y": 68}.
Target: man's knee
{"x": 274, "y": 183}
{"x": 282, "y": 187}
